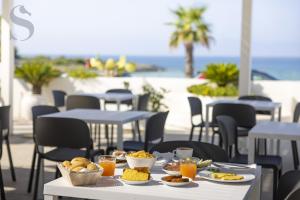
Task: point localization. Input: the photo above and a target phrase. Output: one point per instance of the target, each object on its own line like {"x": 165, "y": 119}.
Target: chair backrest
{"x": 80, "y": 101}
{"x": 200, "y": 149}
{"x": 143, "y": 101}
{"x": 195, "y": 106}
{"x": 122, "y": 91}
{"x": 62, "y": 133}
{"x": 255, "y": 97}
{"x": 289, "y": 186}
{"x": 228, "y": 131}
{"x": 59, "y": 97}
{"x": 4, "y": 117}
{"x": 155, "y": 128}
{"x": 296, "y": 113}
{"x": 41, "y": 110}
{"x": 243, "y": 114}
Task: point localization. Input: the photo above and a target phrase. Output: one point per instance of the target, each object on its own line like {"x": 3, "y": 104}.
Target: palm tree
{"x": 189, "y": 29}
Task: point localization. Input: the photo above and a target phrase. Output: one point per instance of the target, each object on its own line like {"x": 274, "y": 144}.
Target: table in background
{"x": 105, "y": 117}
{"x": 110, "y": 189}
{"x": 258, "y": 106}
{"x": 273, "y": 130}
{"x": 116, "y": 97}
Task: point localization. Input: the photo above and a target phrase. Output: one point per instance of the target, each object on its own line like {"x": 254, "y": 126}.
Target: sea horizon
{"x": 282, "y": 68}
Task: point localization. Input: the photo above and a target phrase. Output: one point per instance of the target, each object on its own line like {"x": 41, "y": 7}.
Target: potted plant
{"x": 37, "y": 73}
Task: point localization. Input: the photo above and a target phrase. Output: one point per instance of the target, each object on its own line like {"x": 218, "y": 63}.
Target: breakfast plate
{"x": 182, "y": 181}
{"x": 135, "y": 182}
{"x": 208, "y": 175}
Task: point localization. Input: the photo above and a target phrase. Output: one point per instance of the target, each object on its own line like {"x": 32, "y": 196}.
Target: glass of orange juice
{"x": 108, "y": 163}
{"x": 188, "y": 168}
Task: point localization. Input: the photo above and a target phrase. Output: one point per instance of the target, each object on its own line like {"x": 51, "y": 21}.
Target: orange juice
{"x": 188, "y": 169}
{"x": 108, "y": 163}
{"x": 109, "y": 168}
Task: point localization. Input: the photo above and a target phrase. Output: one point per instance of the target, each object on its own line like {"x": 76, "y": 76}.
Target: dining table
{"x": 272, "y": 107}
{"x": 274, "y": 130}
{"x": 115, "y": 97}
{"x": 112, "y": 188}
{"x": 95, "y": 116}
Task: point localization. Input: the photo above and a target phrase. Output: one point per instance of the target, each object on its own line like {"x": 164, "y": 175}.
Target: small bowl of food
{"x": 176, "y": 181}
{"x": 140, "y": 159}
{"x": 172, "y": 168}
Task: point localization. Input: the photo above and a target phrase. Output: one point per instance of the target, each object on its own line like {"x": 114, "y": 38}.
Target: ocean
{"x": 280, "y": 68}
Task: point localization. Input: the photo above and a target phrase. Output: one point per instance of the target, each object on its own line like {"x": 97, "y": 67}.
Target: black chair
{"x": 1, "y": 179}
{"x": 154, "y": 131}
{"x": 59, "y": 97}
{"x": 200, "y": 149}
{"x": 86, "y": 102}
{"x": 243, "y": 114}
{"x": 82, "y": 102}
{"x": 289, "y": 186}
{"x": 257, "y": 98}
{"x": 228, "y": 131}
{"x": 196, "y": 110}
{"x": 120, "y": 91}
{"x": 294, "y": 143}
{"x": 68, "y": 136}
{"x": 5, "y": 131}
{"x": 36, "y": 112}
{"x": 142, "y": 105}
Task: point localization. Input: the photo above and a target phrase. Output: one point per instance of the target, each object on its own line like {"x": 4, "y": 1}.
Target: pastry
{"x": 91, "y": 167}
{"x": 140, "y": 174}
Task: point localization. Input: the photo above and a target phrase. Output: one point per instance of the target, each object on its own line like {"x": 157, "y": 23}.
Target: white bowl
{"x": 140, "y": 162}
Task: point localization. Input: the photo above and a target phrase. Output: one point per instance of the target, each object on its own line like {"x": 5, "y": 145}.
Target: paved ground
{"x": 22, "y": 148}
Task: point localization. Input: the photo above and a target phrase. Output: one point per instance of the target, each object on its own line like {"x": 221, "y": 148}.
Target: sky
{"x": 138, "y": 27}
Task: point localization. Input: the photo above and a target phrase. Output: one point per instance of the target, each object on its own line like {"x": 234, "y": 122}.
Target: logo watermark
{"x": 17, "y": 20}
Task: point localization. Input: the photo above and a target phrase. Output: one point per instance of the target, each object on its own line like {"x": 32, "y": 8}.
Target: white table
{"x": 272, "y": 130}
{"x": 110, "y": 189}
{"x": 116, "y": 97}
{"x": 258, "y": 106}
{"x": 105, "y": 117}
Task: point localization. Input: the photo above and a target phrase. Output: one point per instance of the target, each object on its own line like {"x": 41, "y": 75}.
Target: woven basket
{"x": 80, "y": 178}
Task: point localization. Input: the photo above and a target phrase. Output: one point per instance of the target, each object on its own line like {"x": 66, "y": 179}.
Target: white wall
{"x": 176, "y": 99}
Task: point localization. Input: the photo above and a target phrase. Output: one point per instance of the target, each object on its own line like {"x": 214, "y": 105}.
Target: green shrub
{"x": 82, "y": 73}
{"x": 223, "y": 80}
{"x": 209, "y": 90}
{"x": 37, "y": 72}
{"x": 222, "y": 74}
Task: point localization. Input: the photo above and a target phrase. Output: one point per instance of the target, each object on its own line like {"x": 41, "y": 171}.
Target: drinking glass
{"x": 188, "y": 168}
{"x": 108, "y": 163}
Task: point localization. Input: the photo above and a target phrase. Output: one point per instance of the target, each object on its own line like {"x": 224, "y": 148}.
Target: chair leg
{"x": 106, "y": 135}
{"x": 275, "y": 182}
{"x": 133, "y": 131}
{"x": 137, "y": 123}
{"x": 265, "y": 146}
{"x": 200, "y": 134}
{"x": 36, "y": 184}
{"x": 2, "y": 186}
{"x": 12, "y": 169}
{"x": 57, "y": 173}
{"x": 295, "y": 154}
{"x": 32, "y": 170}
{"x": 112, "y": 135}
{"x": 191, "y": 133}
{"x": 99, "y": 136}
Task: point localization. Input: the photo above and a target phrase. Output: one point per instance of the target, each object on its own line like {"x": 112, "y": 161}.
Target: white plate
{"x": 206, "y": 175}
{"x": 174, "y": 184}
{"x": 135, "y": 182}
